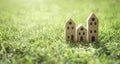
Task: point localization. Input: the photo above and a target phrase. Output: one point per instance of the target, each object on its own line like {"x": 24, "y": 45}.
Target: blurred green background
{"x": 32, "y": 32}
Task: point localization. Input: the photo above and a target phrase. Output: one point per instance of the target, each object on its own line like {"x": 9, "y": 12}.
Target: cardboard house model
{"x": 80, "y": 33}
{"x": 70, "y": 30}
{"x": 92, "y": 28}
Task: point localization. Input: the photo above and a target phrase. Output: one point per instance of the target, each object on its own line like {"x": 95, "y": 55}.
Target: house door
{"x": 81, "y": 38}
{"x": 93, "y": 38}
{"x": 72, "y": 37}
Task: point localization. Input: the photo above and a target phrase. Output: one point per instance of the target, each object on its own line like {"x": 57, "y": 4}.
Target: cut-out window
{"x": 90, "y": 23}
{"x": 93, "y": 19}
{"x": 95, "y": 23}
{"x": 72, "y": 37}
{"x": 93, "y": 38}
{"x": 72, "y": 27}
{"x": 95, "y": 31}
{"x": 79, "y": 33}
{"x": 83, "y": 33}
{"x": 81, "y": 28}
{"x": 90, "y": 31}
{"x": 68, "y": 37}
{"x": 67, "y": 27}
{"x": 70, "y": 23}
{"x": 81, "y": 38}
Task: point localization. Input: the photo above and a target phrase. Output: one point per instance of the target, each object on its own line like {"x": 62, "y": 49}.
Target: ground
{"x": 32, "y": 32}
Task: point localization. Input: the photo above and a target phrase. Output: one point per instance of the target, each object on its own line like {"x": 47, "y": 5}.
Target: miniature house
{"x": 81, "y": 33}
{"x": 92, "y": 28}
{"x": 70, "y": 30}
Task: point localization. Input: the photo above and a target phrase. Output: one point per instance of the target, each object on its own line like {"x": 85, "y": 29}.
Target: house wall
{"x": 92, "y": 29}
{"x": 70, "y": 30}
{"x": 81, "y": 34}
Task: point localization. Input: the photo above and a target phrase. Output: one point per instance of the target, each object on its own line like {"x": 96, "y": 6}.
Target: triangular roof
{"x": 80, "y": 26}
{"x": 70, "y": 21}
{"x": 93, "y": 17}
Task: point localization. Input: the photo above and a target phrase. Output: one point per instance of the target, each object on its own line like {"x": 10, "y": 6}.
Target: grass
{"x": 32, "y": 32}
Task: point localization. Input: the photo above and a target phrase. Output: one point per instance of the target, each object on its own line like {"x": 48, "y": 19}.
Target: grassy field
{"x": 32, "y": 32}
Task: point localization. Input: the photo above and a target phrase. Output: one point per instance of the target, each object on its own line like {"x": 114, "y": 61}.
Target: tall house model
{"x": 70, "y": 30}
{"x": 92, "y": 28}
{"x": 81, "y": 33}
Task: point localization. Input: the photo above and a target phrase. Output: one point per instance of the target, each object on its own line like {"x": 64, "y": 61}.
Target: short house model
{"x": 80, "y": 33}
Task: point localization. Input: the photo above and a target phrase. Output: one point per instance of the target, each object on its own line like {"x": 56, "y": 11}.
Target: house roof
{"x": 80, "y": 26}
{"x": 70, "y": 21}
{"x": 92, "y": 15}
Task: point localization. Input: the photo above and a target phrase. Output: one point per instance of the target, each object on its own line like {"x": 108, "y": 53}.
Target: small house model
{"x": 70, "y": 30}
{"x": 80, "y": 33}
